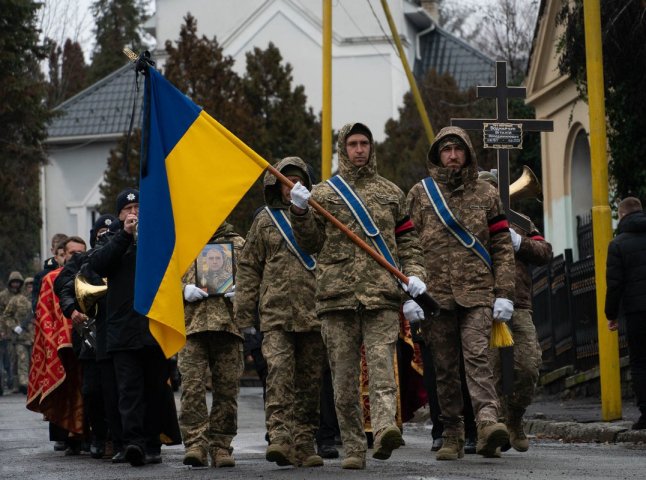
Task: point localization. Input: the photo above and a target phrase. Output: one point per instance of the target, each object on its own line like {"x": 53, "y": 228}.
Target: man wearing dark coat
{"x": 626, "y": 292}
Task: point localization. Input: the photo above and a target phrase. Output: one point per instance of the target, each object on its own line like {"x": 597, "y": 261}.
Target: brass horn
{"x": 527, "y": 186}
{"x": 87, "y": 294}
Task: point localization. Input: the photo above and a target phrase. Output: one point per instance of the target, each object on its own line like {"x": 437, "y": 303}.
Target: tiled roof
{"x": 104, "y": 108}
{"x": 448, "y": 54}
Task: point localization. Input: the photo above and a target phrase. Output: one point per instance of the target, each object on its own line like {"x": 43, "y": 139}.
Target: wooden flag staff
{"x": 429, "y": 305}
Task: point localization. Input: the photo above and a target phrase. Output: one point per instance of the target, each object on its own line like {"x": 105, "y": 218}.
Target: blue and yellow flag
{"x": 194, "y": 174}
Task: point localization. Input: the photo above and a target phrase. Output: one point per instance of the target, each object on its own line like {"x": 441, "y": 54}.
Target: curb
{"x": 596, "y": 432}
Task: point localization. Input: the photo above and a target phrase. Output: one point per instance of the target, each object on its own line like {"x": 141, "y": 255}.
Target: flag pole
{"x": 429, "y": 305}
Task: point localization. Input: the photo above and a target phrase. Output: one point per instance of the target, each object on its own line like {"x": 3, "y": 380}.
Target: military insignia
{"x": 130, "y": 196}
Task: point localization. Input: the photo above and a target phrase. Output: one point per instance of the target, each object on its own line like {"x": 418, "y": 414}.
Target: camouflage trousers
{"x": 221, "y": 354}
{"x": 468, "y": 329}
{"x": 527, "y": 361}
{"x": 344, "y": 332}
{"x": 23, "y": 357}
{"x": 294, "y": 365}
{"x": 7, "y": 358}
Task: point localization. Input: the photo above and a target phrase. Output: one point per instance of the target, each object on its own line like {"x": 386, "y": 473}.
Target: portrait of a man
{"x": 214, "y": 268}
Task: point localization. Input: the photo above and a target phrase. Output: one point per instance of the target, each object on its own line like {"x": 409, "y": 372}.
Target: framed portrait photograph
{"x": 214, "y": 271}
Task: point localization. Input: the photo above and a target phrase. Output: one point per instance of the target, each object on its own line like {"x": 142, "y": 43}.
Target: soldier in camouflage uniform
{"x": 7, "y": 354}
{"x": 530, "y": 249}
{"x": 17, "y": 321}
{"x": 272, "y": 276}
{"x": 213, "y": 343}
{"x": 465, "y": 287}
{"x": 357, "y": 300}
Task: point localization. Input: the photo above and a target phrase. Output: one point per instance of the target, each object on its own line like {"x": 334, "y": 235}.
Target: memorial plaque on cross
{"x": 504, "y": 133}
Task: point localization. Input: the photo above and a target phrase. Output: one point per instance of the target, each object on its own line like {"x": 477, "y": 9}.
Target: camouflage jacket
{"x": 346, "y": 275}
{"x": 533, "y": 251}
{"x": 214, "y": 313}
{"x": 271, "y": 278}
{"x": 18, "y": 313}
{"x": 455, "y": 274}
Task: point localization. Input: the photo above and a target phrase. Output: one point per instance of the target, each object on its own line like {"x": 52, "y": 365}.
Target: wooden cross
{"x": 501, "y": 92}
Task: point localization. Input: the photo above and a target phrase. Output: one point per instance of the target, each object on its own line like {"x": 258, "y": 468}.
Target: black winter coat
{"x": 66, "y": 291}
{"x": 626, "y": 267}
{"x": 127, "y": 329}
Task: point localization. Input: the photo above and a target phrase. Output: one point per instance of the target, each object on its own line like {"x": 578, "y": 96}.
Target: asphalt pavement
{"x": 567, "y": 440}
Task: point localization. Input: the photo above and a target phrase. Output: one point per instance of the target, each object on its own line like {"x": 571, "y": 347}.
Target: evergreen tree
{"x": 402, "y": 156}
{"x": 197, "y": 67}
{"x": 74, "y": 71}
{"x": 121, "y": 172}
{"x": 283, "y": 124}
{"x": 23, "y": 116}
{"x": 117, "y": 26}
{"x": 67, "y": 71}
{"x": 623, "y": 27}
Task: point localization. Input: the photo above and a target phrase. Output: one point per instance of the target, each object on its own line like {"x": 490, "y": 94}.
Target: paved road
{"x": 25, "y": 453}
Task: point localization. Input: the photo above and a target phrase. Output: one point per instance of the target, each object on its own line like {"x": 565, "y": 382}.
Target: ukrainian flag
{"x": 194, "y": 172}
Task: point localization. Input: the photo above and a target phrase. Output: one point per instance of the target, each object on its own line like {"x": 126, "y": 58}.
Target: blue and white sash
{"x": 360, "y": 212}
{"x": 453, "y": 225}
{"x": 281, "y": 221}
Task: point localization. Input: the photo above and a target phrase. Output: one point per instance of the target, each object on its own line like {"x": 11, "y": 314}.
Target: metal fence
{"x": 565, "y": 313}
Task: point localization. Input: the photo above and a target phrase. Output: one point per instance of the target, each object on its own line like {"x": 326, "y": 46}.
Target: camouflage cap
{"x": 489, "y": 176}
{"x": 451, "y": 140}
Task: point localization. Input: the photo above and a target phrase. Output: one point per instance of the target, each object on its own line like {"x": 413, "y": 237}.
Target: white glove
{"x": 503, "y": 309}
{"x": 412, "y": 311}
{"x": 415, "y": 286}
{"x": 231, "y": 293}
{"x": 515, "y": 239}
{"x": 248, "y": 331}
{"x": 192, "y": 293}
{"x": 18, "y": 329}
{"x": 300, "y": 195}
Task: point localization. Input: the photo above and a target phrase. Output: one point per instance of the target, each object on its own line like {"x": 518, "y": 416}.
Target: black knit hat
{"x": 104, "y": 221}
{"x": 360, "y": 128}
{"x": 129, "y": 195}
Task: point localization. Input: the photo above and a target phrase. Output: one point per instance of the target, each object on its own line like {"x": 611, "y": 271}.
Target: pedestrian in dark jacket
{"x": 141, "y": 369}
{"x": 626, "y": 292}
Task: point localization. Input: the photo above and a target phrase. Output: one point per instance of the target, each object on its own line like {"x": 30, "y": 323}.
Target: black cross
{"x": 501, "y": 92}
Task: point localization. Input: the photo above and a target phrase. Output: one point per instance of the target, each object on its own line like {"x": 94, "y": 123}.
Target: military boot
{"x": 195, "y": 456}
{"x": 387, "y": 440}
{"x": 280, "y": 452}
{"x": 354, "y": 461}
{"x": 517, "y": 437}
{"x": 491, "y": 436}
{"x": 306, "y": 456}
{"x": 452, "y": 448}
{"x": 221, "y": 457}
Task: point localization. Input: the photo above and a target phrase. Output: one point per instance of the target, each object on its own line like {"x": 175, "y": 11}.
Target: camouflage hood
{"x": 347, "y": 170}
{"x": 273, "y": 197}
{"x": 441, "y": 174}
{"x": 15, "y": 276}
{"x": 224, "y": 230}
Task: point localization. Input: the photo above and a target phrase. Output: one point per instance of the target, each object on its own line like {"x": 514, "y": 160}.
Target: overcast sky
{"x": 61, "y": 19}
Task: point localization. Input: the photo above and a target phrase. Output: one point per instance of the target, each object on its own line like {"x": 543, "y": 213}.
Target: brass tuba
{"x": 87, "y": 294}
{"x": 527, "y": 186}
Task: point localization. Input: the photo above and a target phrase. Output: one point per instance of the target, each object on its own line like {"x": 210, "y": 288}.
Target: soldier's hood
{"x": 15, "y": 276}
{"x": 273, "y": 197}
{"x": 224, "y": 230}
{"x": 441, "y": 174}
{"x": 347, "y": 169}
